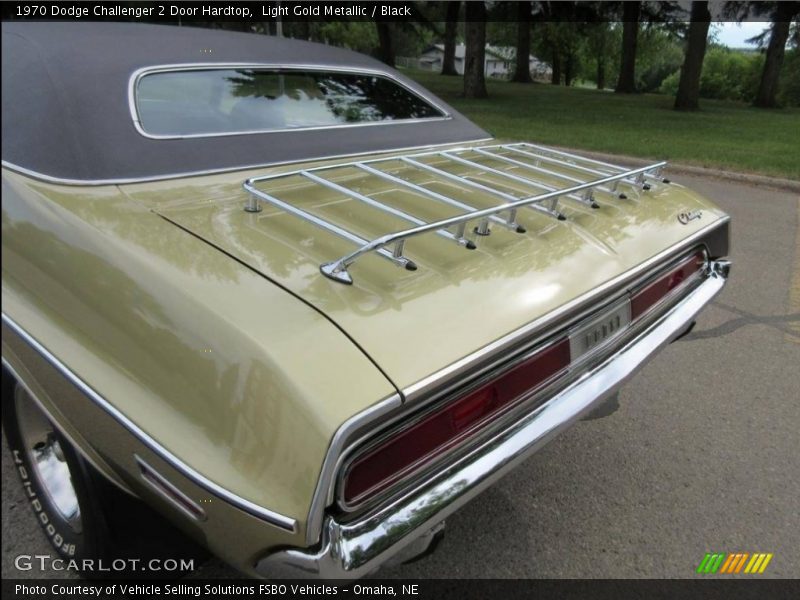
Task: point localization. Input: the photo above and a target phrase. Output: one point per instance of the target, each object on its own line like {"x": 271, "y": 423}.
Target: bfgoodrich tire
{"x": 83, "y": 515}
{"x": 56, "y": 481}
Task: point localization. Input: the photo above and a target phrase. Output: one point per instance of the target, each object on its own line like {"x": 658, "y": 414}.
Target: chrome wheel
{"x": 46, "y": 457}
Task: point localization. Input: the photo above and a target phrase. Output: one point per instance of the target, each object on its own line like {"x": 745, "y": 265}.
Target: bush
{"x": 670, "y": 84}
{"x": 730, "y": 75}
{"x": 659, "y": 53}
{"x": 789, "y": 93}
{"x": 727, "y": 75}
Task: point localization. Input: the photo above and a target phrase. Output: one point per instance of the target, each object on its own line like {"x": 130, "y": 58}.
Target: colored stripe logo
{"x": 734, "y": 562}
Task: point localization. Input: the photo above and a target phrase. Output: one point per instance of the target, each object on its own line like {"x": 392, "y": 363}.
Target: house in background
{"x": 495, "y": 65}
{"x": 539, "y": 69}
{"x": 498, "y": 61}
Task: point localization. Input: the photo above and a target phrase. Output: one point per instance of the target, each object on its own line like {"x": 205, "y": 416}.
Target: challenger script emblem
{"x": 685, "y": 217}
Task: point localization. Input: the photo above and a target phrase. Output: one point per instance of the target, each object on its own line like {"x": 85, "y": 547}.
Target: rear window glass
{"x": 221, "y": 101}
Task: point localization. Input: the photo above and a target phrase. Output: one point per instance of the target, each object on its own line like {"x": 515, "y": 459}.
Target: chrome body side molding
{"x": 354, "y": 549}
{"x": 272, "y": 517}
{"x": 104, "y": 471}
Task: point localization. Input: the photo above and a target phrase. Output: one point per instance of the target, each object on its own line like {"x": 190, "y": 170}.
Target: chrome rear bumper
{"x": 354, "y": 549}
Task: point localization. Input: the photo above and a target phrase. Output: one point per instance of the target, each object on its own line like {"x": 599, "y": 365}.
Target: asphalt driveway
{"x": 699, "y": 452}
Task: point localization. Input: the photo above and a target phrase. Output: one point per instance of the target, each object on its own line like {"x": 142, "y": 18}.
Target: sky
{"x": 734, "y": 35}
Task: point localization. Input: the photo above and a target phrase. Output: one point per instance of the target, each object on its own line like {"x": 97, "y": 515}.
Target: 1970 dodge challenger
{"x": 297, "y": 304}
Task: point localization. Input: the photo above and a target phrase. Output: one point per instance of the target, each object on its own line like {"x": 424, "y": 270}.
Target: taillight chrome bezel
{"x": 537, "y": 395}
{"x": 702, "y": 271}
{"x": 461, "y": 440}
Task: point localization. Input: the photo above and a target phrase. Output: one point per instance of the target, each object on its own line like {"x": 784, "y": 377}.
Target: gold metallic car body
{"x": 199, "y": 355}
{"x": 159, "y": 320}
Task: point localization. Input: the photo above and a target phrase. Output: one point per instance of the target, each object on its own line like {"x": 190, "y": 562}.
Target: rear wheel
{"x": 55, "y": 480}
{"x": 83, "y": 515}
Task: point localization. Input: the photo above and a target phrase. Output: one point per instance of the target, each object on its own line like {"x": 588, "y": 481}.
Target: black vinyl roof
{"x": 66, "y": 115}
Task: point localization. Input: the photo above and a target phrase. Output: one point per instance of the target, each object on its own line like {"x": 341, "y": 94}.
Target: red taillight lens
{"x": 647, "y": 297}
{"x": 415, "y": 446}
{"x": 411, "y": 448}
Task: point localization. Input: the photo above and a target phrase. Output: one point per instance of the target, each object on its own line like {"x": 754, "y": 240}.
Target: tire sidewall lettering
{"x": 57, "y": 539}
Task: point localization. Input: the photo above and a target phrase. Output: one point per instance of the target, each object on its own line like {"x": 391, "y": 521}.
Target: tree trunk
{"x": 303, "y": 30}
{"x": 689, "y": 85}
{"x": 450, "y": 31}
{"x": 522, "y": 70}
{"x": 555, "y": 76}
{"x": 474, "y": 80}
{"x": 768, "y": 87}
{"x": 601, "y": 72}
{"x": 569, "y": 65}
{"x": 386, "y": 49}
{"x": 626, "y": 84}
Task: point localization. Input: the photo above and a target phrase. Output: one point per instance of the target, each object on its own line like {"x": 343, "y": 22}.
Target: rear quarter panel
{"x": 231, "y": 374}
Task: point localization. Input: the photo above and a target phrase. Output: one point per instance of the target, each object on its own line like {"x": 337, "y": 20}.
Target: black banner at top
{"x": 212, "y": 11}
{"x": 324, "y": 10}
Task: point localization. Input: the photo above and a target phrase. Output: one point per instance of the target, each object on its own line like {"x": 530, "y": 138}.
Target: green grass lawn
{"x": 726, "y": 135}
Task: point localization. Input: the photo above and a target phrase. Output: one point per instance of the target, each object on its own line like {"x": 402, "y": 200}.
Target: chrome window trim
{"x": 137, "y": 75}
{"x": 123, "y": 181}
{"x": 272, "y": 517}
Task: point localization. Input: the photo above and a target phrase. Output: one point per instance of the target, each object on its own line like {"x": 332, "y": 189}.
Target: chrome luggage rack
{"x": 588, "y": 176}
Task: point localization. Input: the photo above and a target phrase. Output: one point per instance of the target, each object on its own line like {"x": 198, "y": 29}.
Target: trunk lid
{"x": 414, "y": 323}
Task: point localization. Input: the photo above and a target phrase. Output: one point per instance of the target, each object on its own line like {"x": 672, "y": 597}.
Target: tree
{"x": 450, "y": 30}
{"x": 565, "y": 39}
{"x": 522, "y": 70}
{"x": 601, "y": 35}
{"x": 626, "y": 84}
{"x": 385, "y": 48}
{"x": 598, "y": 41}
{"x": 555, "y": 73}
{"x": 571, "y": 45}
{"x": 474, "y": 60}
{"x": 557, "y": 24}
{"x": 766, "y": 97}
{"x": 550, "y": 45}
{"x": 689, "y": 85}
